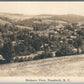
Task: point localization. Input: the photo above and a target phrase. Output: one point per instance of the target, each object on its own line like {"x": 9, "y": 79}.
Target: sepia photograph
{"x": 41, "y": 39}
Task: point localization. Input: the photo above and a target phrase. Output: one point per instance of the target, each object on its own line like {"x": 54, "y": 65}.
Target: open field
{"x": 57, "y": 66}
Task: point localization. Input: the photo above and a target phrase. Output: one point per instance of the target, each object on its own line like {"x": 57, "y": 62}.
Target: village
{"x": 41, "y": 39}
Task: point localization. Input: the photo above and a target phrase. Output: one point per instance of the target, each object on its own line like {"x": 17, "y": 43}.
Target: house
{"x": 73, "y": 37}
{"x": 1, "y": 57}
{"x": 1, "y": 42}
{"x": 52, "y": 53}
{"x": 14, "y": 43}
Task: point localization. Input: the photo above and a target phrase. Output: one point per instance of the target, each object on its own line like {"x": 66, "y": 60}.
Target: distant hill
{"x": 68, "y": 17}
{"x": 72, "y": 18}
{"x": 14, "y": 17}
{"x": 28, "y": 20}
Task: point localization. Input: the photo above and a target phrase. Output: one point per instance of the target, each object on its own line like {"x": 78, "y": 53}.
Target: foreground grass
{"x": 57, "y": 66}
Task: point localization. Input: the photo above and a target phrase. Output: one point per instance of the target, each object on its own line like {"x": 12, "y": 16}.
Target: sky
{"x": 36, "y": 8}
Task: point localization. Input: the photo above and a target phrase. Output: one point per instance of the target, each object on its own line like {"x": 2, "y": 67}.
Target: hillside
{"x": 23, "y": 36}
{"x": 48, "y": 19}
{"x": 3, "y": 22}
{"x": 57, "y": 66}
{"x": 14, "y": 17}
{"x": 69, "y": 18}
{"x": 28, "y": 20}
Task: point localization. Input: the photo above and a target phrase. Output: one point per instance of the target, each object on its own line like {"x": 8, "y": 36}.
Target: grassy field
{"x": 51, "y": 67}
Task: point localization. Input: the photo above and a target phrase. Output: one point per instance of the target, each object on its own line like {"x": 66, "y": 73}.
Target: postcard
{"x": 41, "y": 41}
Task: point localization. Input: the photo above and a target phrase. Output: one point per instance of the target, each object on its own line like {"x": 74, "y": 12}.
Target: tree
{"x": 77, "y": 43}
{"x": 65, "y": 49}
{"x": 7, "y": 51}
